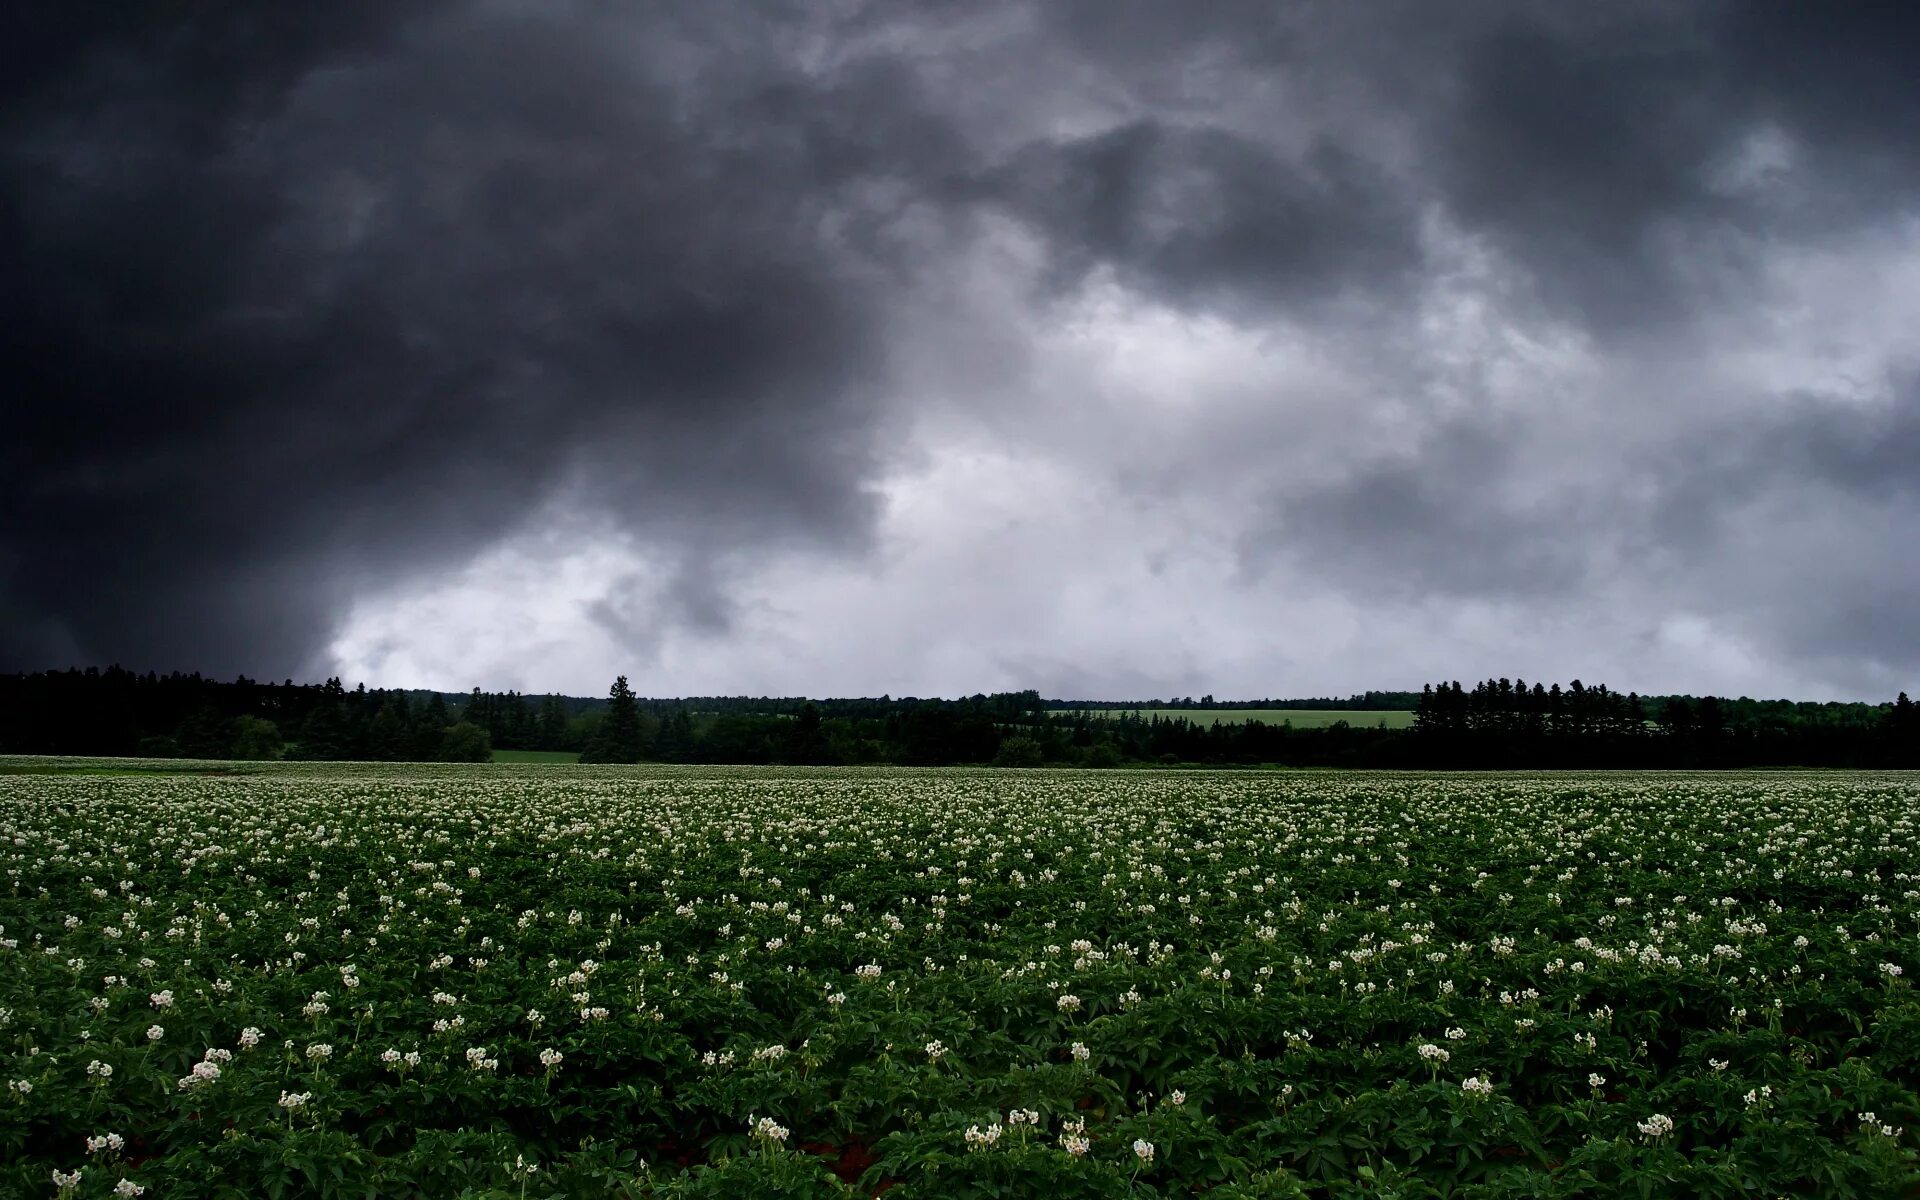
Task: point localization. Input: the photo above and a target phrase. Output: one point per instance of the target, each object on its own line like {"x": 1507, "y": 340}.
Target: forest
{"x": 1495, "y": 724}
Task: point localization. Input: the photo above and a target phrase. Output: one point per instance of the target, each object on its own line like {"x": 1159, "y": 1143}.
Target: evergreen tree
{"x": 619, "y": 738}
{"x": 479, "y": 710}
{"x": 806, "y": 741}
{"x": 677, "y": 743}
{"x": 551, "y": 729}
{"x": 430, "y": 729}
{"x": 203, "y": 735}
{"x": 390, "y": 734}
{"x": 324, "y": 734}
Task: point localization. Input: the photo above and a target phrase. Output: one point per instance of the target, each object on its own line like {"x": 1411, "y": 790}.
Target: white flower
{"x": 1143, "y": 1150}
{"x": 1177, "y": 1098}
{"x": 390, "y": 1056}
{"x": 293, "y": 1100}
{"x": 1870, "y": 1123}
{"x": 935, "y": 1050}
{"x": 1596, "y": 1080}
{"x": 868, "y": 971}
{"x": 1068, "y": 1003}
{"x": 1890, "y": 970}
{"x": 155, "y": 1033}
{"x": 250, "y": 1037}
{"x": 127, "y": 1187}
{"x": 1656, "y": 1126}
{"x": 1433, "y": 1053}
{"x": 68, "y": 1180}
{"x": 161, "y": 999}
{"x": 767, "y": 1130}
{"x": 1478, "y": 1086}
{"x": 1075, "y": 1144}
{"x": 1080, "y": 1052}
{"x": 551, "y": 1058}
{"x": 99, "y": 1069}
{"x": 982, "y": 1139}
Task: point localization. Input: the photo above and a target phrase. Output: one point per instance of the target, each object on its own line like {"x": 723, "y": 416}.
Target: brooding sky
{"x": 1111, "y": 348}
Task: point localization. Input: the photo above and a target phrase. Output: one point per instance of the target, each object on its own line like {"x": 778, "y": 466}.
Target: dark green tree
{"x": 256, "y": 738}
{"x": 466, "y": 742}
{"x": 1018, "y": 751}
{"x": 676, "y": 743}
{"x": 390, "y": 734}
{"x": 806, "y": 742}
{"x": 203, "y": 735}
{"x": 550, "y": 731}
{"x": 619, "y": 739}
{"x": 430, "y": 728}
{"x": 325, "y": 735}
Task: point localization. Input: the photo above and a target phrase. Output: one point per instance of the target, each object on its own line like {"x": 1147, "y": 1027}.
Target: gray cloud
{"x": 304, "y": 309}
{"x": 359, "y": 313}
{"x": 1439, "y": 520}
{"x": 1205, "y": 216}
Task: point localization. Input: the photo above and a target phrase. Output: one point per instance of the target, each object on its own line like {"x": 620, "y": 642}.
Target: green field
{"x": 1301, "y": 718}
{"x": 446, "y": 980}
{"x": 551, "y": 757}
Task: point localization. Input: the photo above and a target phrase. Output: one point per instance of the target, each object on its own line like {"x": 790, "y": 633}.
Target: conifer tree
{"x": 619, "y": 738}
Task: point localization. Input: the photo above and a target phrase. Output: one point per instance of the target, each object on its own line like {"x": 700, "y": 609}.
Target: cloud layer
{"x": 1115, "y": 349}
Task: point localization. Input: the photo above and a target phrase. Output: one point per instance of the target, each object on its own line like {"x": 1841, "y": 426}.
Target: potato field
{"x": 536, "y": 981}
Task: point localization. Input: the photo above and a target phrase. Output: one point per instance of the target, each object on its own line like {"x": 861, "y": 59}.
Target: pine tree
{"x": 551, "y": 731}
{"x": 619, "y": 738}
{"x": 430, "y": 728}
{"x": 806, "y": 741}
{"x": 390, "y": 734}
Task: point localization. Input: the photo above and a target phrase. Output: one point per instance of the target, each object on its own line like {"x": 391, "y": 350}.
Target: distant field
{"x": 536, "y": 756}
{"x": 1302, "y": 718}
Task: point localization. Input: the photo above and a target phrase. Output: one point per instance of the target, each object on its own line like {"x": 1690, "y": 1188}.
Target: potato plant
{"x": 548, "y": 981}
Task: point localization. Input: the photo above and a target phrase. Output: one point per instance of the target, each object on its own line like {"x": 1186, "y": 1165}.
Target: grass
{"x": 536, "y": 756}
{"x": 1301, "y": 718}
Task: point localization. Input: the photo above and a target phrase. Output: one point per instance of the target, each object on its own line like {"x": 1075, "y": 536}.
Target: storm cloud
{"x": 843, "y": 347}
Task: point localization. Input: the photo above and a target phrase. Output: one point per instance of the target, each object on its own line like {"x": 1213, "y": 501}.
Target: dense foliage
{"x": 1495, "y": 724}
{"x": 586, "y": 981}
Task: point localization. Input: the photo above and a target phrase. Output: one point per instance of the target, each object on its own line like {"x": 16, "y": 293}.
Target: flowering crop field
{"x": 355, "y": 980}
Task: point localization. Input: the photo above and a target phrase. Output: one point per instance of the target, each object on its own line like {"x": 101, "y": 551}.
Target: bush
{"x": 1018, "y": 752}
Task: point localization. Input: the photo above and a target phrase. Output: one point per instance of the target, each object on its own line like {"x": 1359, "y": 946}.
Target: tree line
{"x": 1497, "y": 723}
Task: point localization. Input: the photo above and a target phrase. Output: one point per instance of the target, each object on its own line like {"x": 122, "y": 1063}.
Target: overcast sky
{"x": 1111, "y": 348}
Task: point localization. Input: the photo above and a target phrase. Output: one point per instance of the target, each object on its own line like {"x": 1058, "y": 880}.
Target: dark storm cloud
{"x": 1205, "y": 216}
{"x": 1611, "y": 149}
{"x": 299, "y": 303}
{"x": 295, "y": 306}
